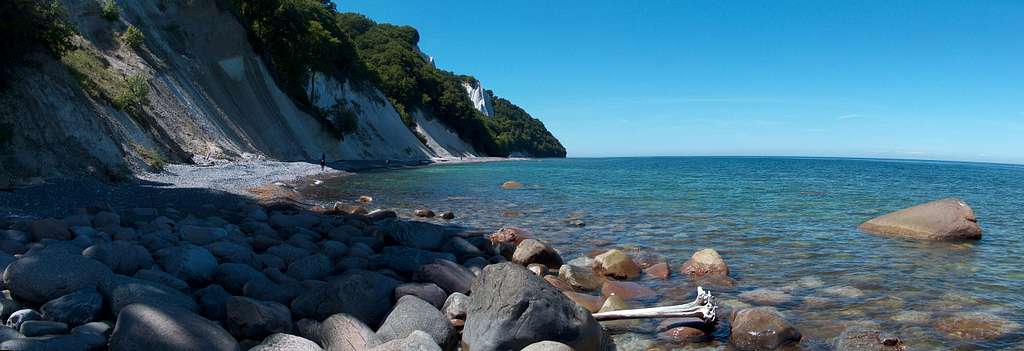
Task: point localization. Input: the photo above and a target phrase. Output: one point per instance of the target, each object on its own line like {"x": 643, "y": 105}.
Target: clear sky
{"x": 904, "y": 79}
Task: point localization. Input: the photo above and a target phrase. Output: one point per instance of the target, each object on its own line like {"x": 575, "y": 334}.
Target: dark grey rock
{"x": 212, "y": 301}
{"x": 269, "y": 261}
{"x": 420, "y": 235}
{"x": 342, "y": 332}
{"x": 104, "y": 218}
{"x": 7, "y": 305}
{"x": 49, "y": 228}
{"x": 449, "y": 275}
{"x": 334, "y": 249}
{"x": 161, "y": 277}
{"x": 266, "y": 290}
{"x": 120, "y": 291}
{"x": 287, "y": 252}
{"x": 313, "y": 267}
{"x": 406, "y": 259}
{"x": 8, "y": 333}
{"x": 352, "y": 263}
{"x": 417, "y": 340}
{"x": 511, "y": 308}
{"x": 95, "y": 328}
{"x": 232, "y": 252}
{"x": 357, "y": 293}
{"x": 309, "y": 329}
{"x": 121, "y": 256}
{"x": 233, "y": 276}
{"x": 428, "y": 292}
{"x": 286, "y": 342}
{"x": 202, "y": 235}
{"x": 22, "y": 316}
{"x": 38, "y": 328}
{"x": 411, "y": 314}
{"x": 82, "y": 342}
{"x": 193, "y": 264}
{"x": 251, "y": 319}
{"x": 74, "y": 309}
{"x": 143, "y": 327}
{"x": 461, "y": 248}
{"x": 42, "y": 278}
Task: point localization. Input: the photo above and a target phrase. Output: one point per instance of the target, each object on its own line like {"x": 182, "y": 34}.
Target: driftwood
{"x": 703, "y": 308}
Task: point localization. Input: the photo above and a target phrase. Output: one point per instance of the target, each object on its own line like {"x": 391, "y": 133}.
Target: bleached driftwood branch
{"x": 703, "y": 307}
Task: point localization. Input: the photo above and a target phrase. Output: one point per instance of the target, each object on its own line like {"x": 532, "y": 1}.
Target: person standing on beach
{"x": 323, "y": 161}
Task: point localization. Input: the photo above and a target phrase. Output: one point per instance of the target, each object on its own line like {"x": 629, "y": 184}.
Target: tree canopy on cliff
{"x": 26, "y": 25}
{"x": 300, "y": 37}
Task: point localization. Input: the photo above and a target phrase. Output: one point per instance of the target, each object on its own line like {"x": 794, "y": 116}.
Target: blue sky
{"x": 903, "y": 79}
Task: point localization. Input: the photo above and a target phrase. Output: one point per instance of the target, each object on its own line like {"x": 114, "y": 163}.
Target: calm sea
{"x": 784, "y": 224}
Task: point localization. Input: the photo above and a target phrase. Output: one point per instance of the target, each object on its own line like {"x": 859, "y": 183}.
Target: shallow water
{"x": 786, "y": 224}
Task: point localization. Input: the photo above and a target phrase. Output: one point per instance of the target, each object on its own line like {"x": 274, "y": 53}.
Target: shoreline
{"x": 190, "y": 187}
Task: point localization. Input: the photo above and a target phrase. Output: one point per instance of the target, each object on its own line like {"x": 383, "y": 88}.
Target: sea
{"x": 786, "y": 226}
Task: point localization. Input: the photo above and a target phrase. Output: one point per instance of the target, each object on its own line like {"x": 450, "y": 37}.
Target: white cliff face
{"x": 442, "y": 140}
{"x": 481, "y": 99}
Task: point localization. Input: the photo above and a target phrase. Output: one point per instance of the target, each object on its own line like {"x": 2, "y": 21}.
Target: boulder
{"x": 231, "y": 252}
{"x": 558, "y": 283}
{"x": 74, "y": 309}
{"x": 455, "y": 306}
{"x": 547, "y": 346}
{"x": 761, "y": 328}
{"x": 41, "y": 278}
{"x": 582, "y": 278}
{"x": 511, "y": 308}
{"x": 590, "y": 302}
{"x": 538, "y": 269}
{"x": 531, "y": 251}
{"x": 357, "y": 293}
{"x": 762, "y": 296}
{"x": 144, "y": 327}
{"x": 420, "y": 235}
{"x": 77, "y": 342}
{"x": 448, "y": 215}
{"x": 946, "y": 219}
{"x": 342, "y": 332}
{"x": 424, "y": 213}
{"x": 7, "y": 305}
{"x": 683, "y": 330}
{"x": 286, "y": 342}
{"x": 412, "y": 314}
{"x": 314, "y": 267}
{"x": 120, "y": 291}
{"x": 161, "y": 277}
{"x": 39, "y": 328}
{"x": 976, "y": 326}
{"x": 428, "y": 292}
{"x": 408, "y": 260}
{"x": 461, "y": 248}
{"x": 22, "y": 316}
{"x": 287, "y": 252}
{"x": 309, "y": 329}
{"x": 121, "y": 256}
{"x": 106, "y": 218}
{"x": 417, "y": 340}
{"x": 202, "y": 235}
{"x": 265, "y": 289}
{"x": 864, "y": 339}
{"x": 658, "y": 270}
{"x": 381, "y": 214}
{"x": 192, "y": 264}
{"x": 212, "y": 301}
{"x": 250, "y": 319}
{"x": 302, "y": 220}
{"x": 49, "y": 228}
{"x": 616, "y": 264}
{"x": 706, "y": 262}
{"x": 8, "y": 333}
{"x": 505, "y": 240}
{"x": 448, "y": 275}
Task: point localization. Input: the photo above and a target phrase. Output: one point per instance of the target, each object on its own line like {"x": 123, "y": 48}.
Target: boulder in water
{"x": 511, "y": 308}
{"x": 616, "y": 264}
{"x": 761, "y": 328}
{"x": 534, "y": 251}
{"x": 706, "y": 262}
{"x": 946, "y": 219}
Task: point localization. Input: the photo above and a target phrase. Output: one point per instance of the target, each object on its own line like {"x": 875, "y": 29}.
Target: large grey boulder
{"x": 412, "y": 314}
{"x": 120, "y": 291}
{"x": 448, "y": 275}
{"x": 143, "y": 327}
{"x": 40, "y": 328}
{"x": 233, "y": 276}
{"x": 121, "y": 256}
{"x": 251, "y": 319}
{"x": 161, "y": 277}
{"x": 761, "y": 328}
{"x": 227, "y": 251}
{"x": 358, "y": 293}
{"x": 202, "y": 235}
{"x": 212, "y": 301}
{"x": 342, "y": 332}
{"x": 547, "y": 346}
{"x": 455, "y": 306}
{"x": 286, "y": 342}
{"x": 192, "y": 264}
{"x": 511, "y": 308}
{"x": 946, "y": 219}
{"x": 74, "y": 309}
{"x": 287, "y": 252}
{"x": 74, "y": 342}
{"x": 41, "y": 278}
{"x": 416, "y": 341}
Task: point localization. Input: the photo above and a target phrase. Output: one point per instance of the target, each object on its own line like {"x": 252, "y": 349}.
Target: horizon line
{"x": 867, "y": 158}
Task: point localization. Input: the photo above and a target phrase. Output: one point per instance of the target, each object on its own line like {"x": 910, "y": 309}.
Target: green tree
{"x": 110, "y": 11}
{"x": 29, "y": 25}
{"x": 133, "y": 37}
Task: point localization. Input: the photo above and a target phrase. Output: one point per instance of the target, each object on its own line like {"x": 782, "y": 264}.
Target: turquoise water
{"x": 776, "y": 221}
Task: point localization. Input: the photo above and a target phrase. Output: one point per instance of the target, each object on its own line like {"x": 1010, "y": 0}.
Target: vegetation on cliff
{"x": 28, "y": 25}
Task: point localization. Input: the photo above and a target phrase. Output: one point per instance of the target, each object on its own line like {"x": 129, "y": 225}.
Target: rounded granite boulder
{"x": 44, "y": 277}
{"x": 943, "y": 220}
{"x": 144, "y": 327}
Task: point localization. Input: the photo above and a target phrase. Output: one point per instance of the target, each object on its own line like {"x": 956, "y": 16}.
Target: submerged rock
{"x": 946, "y": 219}
{"x": 511, "y": 185}
{"x": 765, "y": 297}
{"x": 616, "y": 264}
{"x": 511, "y": 308}
{"x": 761, "y": 328}
{"x": 976, "y": 326}
{"x": 863, "y": 339}
{"x": 531, "y": 251}
{"x": 627, "y": 290}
